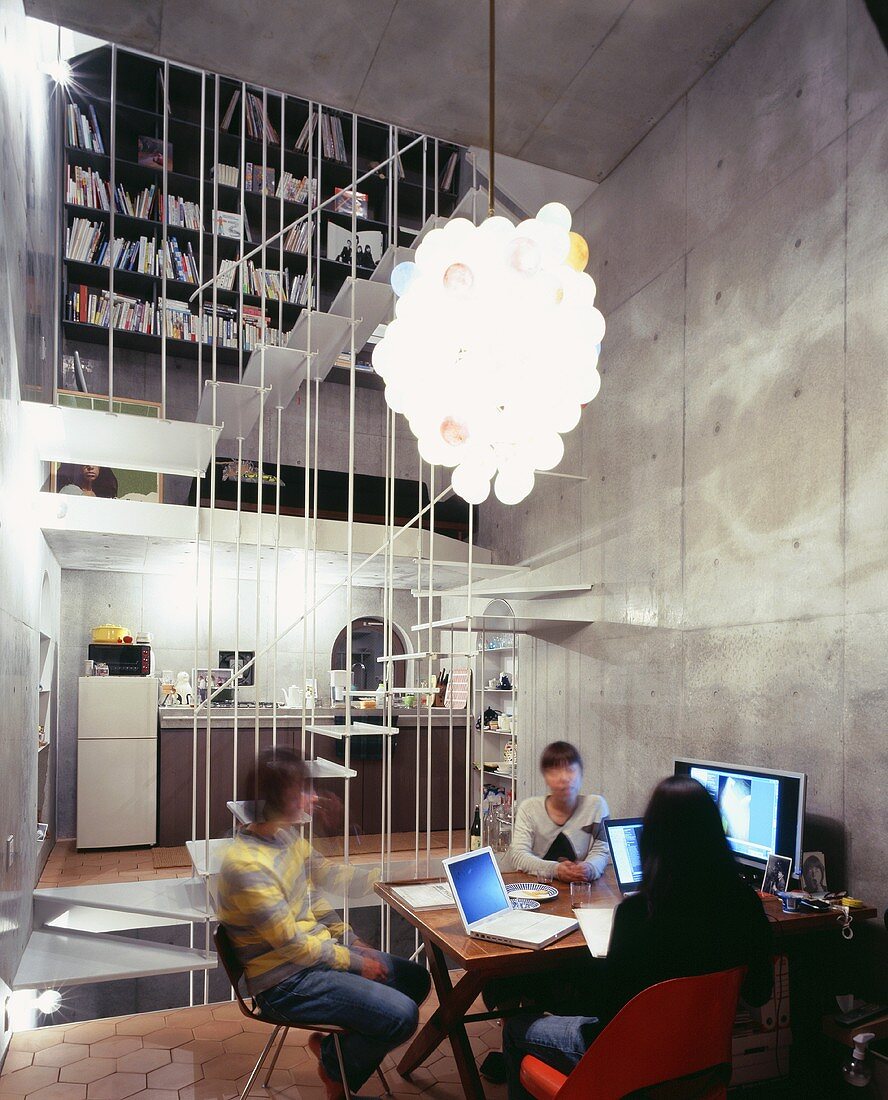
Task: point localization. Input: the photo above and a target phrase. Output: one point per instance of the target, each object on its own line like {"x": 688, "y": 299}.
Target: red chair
{"x": 677, "y": 1031}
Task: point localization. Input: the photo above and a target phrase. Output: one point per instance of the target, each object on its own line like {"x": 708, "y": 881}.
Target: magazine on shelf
{"x": 229, "y": 113}
{"x": 228, "y": 224}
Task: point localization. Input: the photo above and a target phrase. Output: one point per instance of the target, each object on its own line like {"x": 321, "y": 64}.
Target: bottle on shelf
{"x": 380, "y": 695}
{"x": 475, "y": 831}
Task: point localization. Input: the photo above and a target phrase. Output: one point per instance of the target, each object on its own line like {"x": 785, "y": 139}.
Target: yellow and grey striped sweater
{"x": 272, "y": 912}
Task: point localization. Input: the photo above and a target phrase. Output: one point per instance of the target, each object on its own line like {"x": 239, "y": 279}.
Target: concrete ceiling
{"x": 579, "y": 82}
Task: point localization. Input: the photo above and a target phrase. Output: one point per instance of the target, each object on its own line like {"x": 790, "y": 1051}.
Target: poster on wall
{"x": 75, "y": 479}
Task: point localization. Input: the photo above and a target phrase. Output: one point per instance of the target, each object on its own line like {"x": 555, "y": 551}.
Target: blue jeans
{"x": 561, "y": 1041}
{"x": 378, "y": 1016}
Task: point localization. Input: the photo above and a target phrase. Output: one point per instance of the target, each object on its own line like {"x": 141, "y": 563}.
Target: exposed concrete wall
{"x": 27, "y": 314}
{"x": 735, "y": 515}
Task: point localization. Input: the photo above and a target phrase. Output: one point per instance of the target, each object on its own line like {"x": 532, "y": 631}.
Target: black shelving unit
{"x": 133, "y": 97}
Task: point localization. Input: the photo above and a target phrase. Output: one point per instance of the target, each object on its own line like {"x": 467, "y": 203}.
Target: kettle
{"x": 290, "y": 697}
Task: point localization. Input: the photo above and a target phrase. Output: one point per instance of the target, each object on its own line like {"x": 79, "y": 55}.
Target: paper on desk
{"x": 596, "y": 924}
{"x": 425, "y": 895}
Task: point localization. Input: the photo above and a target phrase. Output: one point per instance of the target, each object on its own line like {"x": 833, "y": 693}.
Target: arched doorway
{"x": 368, "y": 643}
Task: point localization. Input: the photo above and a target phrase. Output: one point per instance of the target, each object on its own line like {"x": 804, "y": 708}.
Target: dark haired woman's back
{"x": 681, "y": 937}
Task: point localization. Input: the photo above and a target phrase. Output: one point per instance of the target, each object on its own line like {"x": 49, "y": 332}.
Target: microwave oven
{"x": 122, "y": 660}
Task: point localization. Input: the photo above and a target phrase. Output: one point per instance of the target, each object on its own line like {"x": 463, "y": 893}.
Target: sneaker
{"x": 494, "y": 1068}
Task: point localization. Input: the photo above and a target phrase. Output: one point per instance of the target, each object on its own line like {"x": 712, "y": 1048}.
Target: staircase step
{"x": 393, "y": 255}
{"x": 54, "y": 958}
{"x": 84, "y": 918}
{"x": 179, "y": 899}
{"x": 373, "y": 306}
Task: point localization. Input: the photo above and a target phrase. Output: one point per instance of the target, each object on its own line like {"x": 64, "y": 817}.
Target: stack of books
{"x": 93, "y": 307}
{"x": 227, "y": 175}
{"x": 181, "y": 266}
{"x": 83, "y": 132}
{"x": 87, "y": 188}
{"x": 255, "y": 115}
{"x": 183, "y": 213}
{"x": 297, "y": 239}
{"x": 144, "y": 206}
{"x": 294, "y": 190}
{"x": 84, "y": 240}
{"x": 140, "y": 255}
{"x": 332, "y": 140}
{"x": 217, "y": 325}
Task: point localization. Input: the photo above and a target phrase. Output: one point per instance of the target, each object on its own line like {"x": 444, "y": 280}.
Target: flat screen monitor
{"x": 762, "y": 811}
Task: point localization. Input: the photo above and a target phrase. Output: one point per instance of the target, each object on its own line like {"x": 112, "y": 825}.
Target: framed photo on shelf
{"x": 339, "y": 245}
{"x": 73, "y": 479}
{"x": 152, "y": 153}
{"x": 227, "y": 661}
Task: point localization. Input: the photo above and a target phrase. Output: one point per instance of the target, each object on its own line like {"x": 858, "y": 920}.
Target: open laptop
{"x": 624, "y": 841}
{"x": 484, "y": 906}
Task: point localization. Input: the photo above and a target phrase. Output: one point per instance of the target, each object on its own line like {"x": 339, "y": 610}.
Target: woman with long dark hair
{"x": 693, "y": 914}
{"x": 92, "y": 481}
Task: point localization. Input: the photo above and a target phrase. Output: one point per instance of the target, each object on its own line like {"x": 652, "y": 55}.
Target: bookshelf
{"x": 176, "y": 173}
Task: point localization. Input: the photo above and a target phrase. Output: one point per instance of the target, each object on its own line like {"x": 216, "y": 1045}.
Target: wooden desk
{"x": 443, "y": 935}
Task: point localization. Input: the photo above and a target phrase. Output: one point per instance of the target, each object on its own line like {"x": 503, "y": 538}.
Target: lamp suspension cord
{"x": 491, "y": 71}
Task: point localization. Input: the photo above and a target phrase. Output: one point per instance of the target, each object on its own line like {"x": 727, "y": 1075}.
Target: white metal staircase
{"x": 75, "y": 942}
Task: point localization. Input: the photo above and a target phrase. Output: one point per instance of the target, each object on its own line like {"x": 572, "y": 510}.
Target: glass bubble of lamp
{"x": 494, "y": 348}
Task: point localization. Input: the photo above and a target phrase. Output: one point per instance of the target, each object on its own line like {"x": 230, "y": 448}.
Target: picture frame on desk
{"x": 777, "y": 874}
{"x": 110, "y": 482}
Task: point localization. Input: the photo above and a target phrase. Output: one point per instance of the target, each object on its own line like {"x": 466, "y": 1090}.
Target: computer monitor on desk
{"x": 763, "y": 811}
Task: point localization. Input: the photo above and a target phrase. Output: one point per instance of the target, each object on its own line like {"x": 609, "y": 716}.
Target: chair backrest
{"x": 673, "y": 1029}
{"x": 231, "y": 964}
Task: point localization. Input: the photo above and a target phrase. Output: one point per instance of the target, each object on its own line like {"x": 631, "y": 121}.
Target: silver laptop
{"x": 484, "y": 906}
{"x": 624, "y": 841}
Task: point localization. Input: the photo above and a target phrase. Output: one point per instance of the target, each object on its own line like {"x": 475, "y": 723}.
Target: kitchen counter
{"x": 410, "y": 746}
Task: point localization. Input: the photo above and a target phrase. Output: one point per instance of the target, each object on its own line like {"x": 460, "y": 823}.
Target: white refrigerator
{"x": 117, "y": 761}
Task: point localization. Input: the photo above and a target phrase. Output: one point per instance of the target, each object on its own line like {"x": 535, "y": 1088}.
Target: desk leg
{"x": 447, "y": 1022}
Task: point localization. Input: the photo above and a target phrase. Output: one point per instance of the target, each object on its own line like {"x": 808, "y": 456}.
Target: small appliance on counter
{"x": 132, "y": 659}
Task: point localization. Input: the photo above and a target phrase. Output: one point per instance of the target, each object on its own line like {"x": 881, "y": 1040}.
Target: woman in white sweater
{"x": 561, "y": 834}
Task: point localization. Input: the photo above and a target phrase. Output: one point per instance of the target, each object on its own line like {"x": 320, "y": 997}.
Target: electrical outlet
{"x": 10, "y": 851}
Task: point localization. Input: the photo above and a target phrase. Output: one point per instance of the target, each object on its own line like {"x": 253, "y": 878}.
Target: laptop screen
{"x": 624, "y": 838}
{"x": 477, "y": 885}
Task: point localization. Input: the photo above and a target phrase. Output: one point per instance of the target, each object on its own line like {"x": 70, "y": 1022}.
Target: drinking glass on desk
{"x": 547, "y": 874}
{"x": 580, "y": 895}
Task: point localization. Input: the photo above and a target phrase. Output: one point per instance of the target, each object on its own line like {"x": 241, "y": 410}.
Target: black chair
{"x": 235, "y": 970}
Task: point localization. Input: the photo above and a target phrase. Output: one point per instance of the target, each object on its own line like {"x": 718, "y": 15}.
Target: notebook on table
{"x": 486, "y": 911}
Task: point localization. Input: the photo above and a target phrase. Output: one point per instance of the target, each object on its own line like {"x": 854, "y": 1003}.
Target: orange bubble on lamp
{"x": 578, "y": 256}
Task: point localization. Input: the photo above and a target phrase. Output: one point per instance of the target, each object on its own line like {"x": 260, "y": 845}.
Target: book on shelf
{"x": 183, "y": 213}
{"x": 343, "y": 202}
{"x": 82, "y": 129}
{"x": 257, "y": 180}
{"x": 229, "y": 111}
{"x": 180, "y": 265}
{"x": 85, "y": 305}
{"x": 86, "y": 187}
{"x": 154, "y": 153}
{"x": 296, "y": 190}
{"x": 332, "y": 139}
{"x": 449, "y": 171}
{"x": 84, "y": 241}
{"x": 227, "y": 175}
{"x": 305, "y": 134}
{"x": 227, "y": 274}
{"x": 145, "y": 204}
{"x": 258, "y": 123}
{"x": 296, "y": 239}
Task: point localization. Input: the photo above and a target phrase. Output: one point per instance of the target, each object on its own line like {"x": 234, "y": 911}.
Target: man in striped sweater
{"x": 291, "y": 941}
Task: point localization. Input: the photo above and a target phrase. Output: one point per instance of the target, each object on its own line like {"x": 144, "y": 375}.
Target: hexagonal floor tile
{"x": 217, "y": 1089}
{"x": 144, "y": 1060}
{"x": 61, "y": 1054}
{"x": 61, "y": 1090}
{"x": 32, "y": 1041}
{"x": 23, "y": 1081}
{"x": 115, "y": 1047}
{"x": 218, "y": 1031}
{"x": 174, "y": 1076}
{"x": 228, "y": 1067}
{"x": 89, "y": 1069}
{"x": 116, "y": 1086}
{"x": 17, "y": 1059}
{"x": 198, "y": 1051}
{"x": 248, "y": 1042}
{"x": 141, "y": 1025}
{"x": 93, "y": 1032}
{"x": 169, "y": 1037}
{"x": 190, "y": 1017}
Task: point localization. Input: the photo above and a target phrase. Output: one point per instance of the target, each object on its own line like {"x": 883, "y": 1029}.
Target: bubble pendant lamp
{"x": 494, "y": 347}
